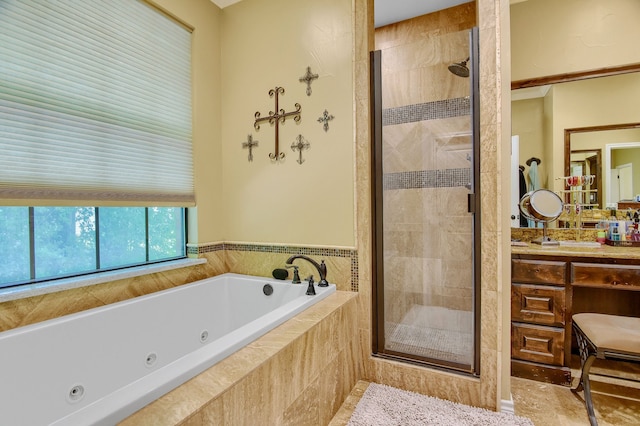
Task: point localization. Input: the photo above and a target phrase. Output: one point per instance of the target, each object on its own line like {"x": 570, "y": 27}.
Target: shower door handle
{"x": 471, "y": 203}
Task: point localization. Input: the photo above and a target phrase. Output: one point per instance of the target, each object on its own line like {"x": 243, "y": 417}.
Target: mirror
{"x": 587, "y": 163}
{"x": 615, "y": 180}
{"x": 580, "y": 128}
{"x": 541, "y": 206}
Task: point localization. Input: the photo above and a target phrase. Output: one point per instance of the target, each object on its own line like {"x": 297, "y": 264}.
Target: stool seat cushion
{"x": 611, "y": 333}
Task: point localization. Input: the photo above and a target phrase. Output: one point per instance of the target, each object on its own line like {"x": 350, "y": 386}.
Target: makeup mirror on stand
{"x": 542, "y": 206}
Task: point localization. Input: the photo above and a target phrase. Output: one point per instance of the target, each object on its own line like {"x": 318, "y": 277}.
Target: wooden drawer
{"x": 538, "y": 271}
{"x": 606, "y": 276}
{"x": 537, "y": 343}
{"x": 538, "y": 303}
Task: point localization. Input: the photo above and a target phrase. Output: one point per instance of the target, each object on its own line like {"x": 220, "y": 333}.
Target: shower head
{"x": 460, "y": 68}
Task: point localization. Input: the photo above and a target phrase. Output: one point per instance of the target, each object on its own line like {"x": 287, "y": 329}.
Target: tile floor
{"x": 617, "y": 402}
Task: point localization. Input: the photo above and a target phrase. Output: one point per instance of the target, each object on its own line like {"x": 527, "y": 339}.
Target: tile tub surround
{"x": 255, "y": 385}
{"x": 30, "y": 310}
{"x": 241, "y": 258}
{"x": 262, "y": 259}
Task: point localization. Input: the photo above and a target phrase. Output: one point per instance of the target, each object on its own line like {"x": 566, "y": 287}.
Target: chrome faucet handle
{"x": 296, "y": 275}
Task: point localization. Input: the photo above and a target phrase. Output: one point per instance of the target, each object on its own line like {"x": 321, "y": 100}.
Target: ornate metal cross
{"x": 308, "y": 78}
{"x": 326, "y": 117}
{"x": 250, "y": 143}
{"x": 300, "y": 145}
{"x": 276, "y": 117}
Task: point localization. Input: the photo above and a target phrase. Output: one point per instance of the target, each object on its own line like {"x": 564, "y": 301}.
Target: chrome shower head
{"x": 460, "y": 68}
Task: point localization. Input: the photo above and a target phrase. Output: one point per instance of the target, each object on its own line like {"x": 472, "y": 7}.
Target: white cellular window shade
{"x": 95, "y": 103}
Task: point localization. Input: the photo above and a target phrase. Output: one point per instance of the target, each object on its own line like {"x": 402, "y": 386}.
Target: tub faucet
{"x": 321, "y": 267}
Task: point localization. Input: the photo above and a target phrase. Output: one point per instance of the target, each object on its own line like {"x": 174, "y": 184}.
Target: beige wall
{"x": 528, "y": 123}
{"x": 269, "y": 44}
{"x": 551, "y": 37}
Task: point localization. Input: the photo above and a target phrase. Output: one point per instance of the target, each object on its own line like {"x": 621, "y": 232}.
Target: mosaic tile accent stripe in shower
{"x": 447, "y": 108}
{"x": 447, "y": 178}
{"x": 308, "y": 251}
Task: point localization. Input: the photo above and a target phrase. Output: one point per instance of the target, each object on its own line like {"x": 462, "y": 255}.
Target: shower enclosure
{"x": 426, "y": 213}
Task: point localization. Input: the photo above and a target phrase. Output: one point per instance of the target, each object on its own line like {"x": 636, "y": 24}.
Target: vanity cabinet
{"x": 538, "y": 320}
{"x": 546, "y": 290}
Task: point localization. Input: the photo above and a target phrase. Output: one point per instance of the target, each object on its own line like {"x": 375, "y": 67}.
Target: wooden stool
{"x": 604, "y": 337}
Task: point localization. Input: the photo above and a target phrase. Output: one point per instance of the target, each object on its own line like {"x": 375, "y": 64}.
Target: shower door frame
{"x": 378, "y": 319}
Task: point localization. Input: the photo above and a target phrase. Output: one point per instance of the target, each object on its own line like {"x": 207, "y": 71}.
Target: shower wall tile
{"x": 410, "y": 69}
{"x": 404, "y": 207}
{"x": 404, "y": 274}
{"x": 447, "y": 21}
{"x": 459, "y": 271}
{"x": 406, "y": 147}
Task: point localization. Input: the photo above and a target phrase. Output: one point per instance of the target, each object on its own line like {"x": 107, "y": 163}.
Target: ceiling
{"x": 391, "y": 11}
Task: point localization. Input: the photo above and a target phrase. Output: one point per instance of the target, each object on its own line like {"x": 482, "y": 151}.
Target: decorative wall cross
{"x": 308, "y": 78}
{"x": 276, "y": 117}
{"x": 250, "y": 143}
{"x": 300, "y": 145}
{"x": 326, "y": 117}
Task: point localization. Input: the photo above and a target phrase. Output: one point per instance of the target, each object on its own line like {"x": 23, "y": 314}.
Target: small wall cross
{"x": 250, "y": 143}
{"x": 326, "y": 117}
{"x": 300, "y": 145}
{"x": 276, "y": 117}
{"x": 308, "y": 78}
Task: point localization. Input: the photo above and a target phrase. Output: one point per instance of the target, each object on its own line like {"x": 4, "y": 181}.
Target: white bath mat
{"x": 383, "y": 405}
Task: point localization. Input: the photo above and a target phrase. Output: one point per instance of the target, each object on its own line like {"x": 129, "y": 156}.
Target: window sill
{"x": 29, "y": 290}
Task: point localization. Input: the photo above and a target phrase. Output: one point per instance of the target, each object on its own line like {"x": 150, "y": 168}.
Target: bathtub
{"x": 101, "y": 365}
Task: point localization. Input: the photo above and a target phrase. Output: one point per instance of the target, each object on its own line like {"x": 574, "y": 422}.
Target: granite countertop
{"x": 526, "y": 235}
{"x": 604, "y": 251}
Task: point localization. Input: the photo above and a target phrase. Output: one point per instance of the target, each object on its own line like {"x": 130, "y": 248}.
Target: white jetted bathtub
{"x": 100, "y": 366}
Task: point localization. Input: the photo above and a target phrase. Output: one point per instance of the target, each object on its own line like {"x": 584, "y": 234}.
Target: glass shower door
{"x": 426, "y": 178}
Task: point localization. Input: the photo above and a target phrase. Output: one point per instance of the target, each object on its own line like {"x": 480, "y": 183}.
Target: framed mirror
{"x": 580, "y": 125}
{"x": 588, "y": 163}
{"x": 617, "y": 180}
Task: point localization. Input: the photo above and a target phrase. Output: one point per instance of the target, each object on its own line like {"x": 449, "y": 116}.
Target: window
{"x": 95, "y": 110}
{"x": 43, "y": 243}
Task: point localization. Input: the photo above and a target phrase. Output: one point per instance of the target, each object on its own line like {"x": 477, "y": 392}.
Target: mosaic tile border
{"x": 447, "y": 178}
{"x": 266, "y": 248}
{"x": 448, "y": 108}
{"x": 210, "y": 248}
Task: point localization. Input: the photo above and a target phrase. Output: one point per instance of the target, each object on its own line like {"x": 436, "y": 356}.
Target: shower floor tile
{"x": 433, "y": 332}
